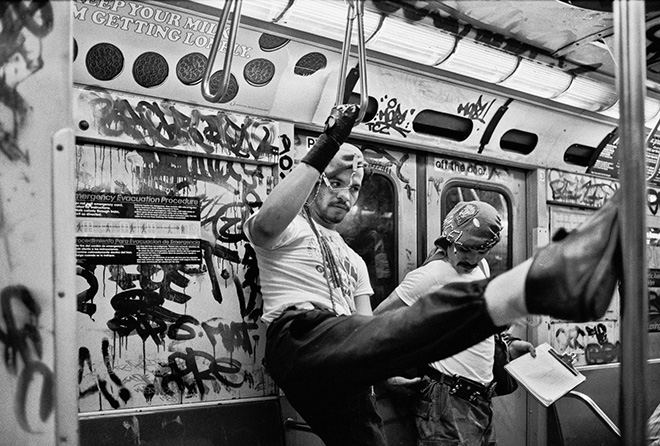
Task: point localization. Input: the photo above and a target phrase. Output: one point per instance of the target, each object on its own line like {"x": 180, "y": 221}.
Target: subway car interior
{"x": 132, "y": 129}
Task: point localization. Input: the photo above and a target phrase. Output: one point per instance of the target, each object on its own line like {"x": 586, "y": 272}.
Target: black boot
{"x": 574, "y": 278}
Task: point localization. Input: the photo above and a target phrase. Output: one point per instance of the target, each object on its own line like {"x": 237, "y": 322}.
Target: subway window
{"x": 370, "y": 229}
{"x": 499, "y": 257}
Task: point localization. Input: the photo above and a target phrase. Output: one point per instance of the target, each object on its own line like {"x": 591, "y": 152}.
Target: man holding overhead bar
{"x": 325, "y": 350}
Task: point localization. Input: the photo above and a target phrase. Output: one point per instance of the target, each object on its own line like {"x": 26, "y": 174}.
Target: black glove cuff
{"x": 321, "y": 153}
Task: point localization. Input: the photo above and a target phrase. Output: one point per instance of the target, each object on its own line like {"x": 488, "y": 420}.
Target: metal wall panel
{"x": 37, "y": 293}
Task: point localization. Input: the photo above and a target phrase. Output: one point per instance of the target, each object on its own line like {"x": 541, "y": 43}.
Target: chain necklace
{"x": 330, "y": 264}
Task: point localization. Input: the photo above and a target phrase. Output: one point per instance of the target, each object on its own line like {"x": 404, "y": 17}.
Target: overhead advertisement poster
{"x": 608, "y": 162}
{"x": 123, "y": 229}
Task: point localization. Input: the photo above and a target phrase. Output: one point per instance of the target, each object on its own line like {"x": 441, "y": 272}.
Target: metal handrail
{"x": 596, "y": 410}
{"x": 355, "y": 9}
{"x": 229, "y": 52}
{"x": 629, "y": 27}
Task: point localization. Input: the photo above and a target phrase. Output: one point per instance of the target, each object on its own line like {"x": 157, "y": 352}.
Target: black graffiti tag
{"x": 153, "y": 123}
{"x": 475, "y": 110}
{"x": 114, "y": 391}
{"x": 391, "y": 117}
{"x": 85, "y": 298}
{"x": 285, "y": 159}
{"x": 234, "y": 335}
{"x": 172, "y": 275}
{"x": 570, "y": 188}
{"x": 137, "y": 310}
{"x": 189, "y": 365}
{"x": 23, "y": 342}
{"x": 22, "y": 57}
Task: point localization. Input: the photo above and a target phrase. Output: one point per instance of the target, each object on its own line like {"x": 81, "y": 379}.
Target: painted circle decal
{"x": 259, "y": 72}
{"x": 150, "y": 69}
{"x": 190, "y": 68}
{"x": 104, "y": 61}
{"x": 310, "y": 64}
{"x": 232, "y": 88}
{"x": 269, "y": 42}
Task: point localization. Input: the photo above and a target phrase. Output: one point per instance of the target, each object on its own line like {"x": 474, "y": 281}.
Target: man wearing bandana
{"x": 323, "y": 347}
{"x": 454, "y": 405}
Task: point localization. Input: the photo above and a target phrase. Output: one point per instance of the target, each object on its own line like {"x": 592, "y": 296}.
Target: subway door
{"x": 450, "y": 180}
{"x": 381, "y": 226}
{"x": 382, "y": 229}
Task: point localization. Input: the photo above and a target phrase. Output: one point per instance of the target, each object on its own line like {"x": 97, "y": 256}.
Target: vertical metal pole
{"x": 630, "y": 41}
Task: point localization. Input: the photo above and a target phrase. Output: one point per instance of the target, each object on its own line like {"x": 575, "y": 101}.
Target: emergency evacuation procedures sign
{"x": 117, "y": 229}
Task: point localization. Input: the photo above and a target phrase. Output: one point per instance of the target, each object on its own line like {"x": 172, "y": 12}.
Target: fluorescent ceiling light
{"x": 589, "y": 94}
{"x": 415, "y": 43}
{"x": 327, "y": 19}
{"x": 479, "y": 61}
{"x": 538, "y": 79}
{"x": 258, "y": 9}
{"x": 651, "y": 110}
{"x": 612, "y": 112}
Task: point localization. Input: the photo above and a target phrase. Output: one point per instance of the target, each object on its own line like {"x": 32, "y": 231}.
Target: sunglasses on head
{"x": 336, "y": 185}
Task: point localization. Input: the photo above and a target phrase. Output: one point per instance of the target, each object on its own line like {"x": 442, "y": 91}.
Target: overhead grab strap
{"x": 355, "y": 9}
{"x": 229, "y": 51}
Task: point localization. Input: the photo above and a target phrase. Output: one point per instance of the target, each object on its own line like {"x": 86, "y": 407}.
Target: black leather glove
{"x": 338, "y": 127}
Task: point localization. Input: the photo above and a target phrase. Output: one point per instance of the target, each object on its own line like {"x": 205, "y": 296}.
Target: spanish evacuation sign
{"x": 124, "y": 229}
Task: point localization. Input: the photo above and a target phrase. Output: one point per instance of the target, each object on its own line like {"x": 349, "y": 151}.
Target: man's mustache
{"x": 342, "y": 204}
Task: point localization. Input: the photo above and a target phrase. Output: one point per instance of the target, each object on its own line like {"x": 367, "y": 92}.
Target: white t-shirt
{"x": 291, "y": 270}
{"x": 476, "y": 362}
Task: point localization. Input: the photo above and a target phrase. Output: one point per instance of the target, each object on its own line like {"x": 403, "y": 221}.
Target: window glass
{"x": 369, "y": 228}
{"x": 499, "y": 258}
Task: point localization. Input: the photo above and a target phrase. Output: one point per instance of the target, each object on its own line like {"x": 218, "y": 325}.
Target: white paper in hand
{"x": 546, "y": 376}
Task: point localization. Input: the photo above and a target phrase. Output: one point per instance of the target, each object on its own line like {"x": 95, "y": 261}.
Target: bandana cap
{"x": 472, "y": 225}
{"x": 349, "y": 157}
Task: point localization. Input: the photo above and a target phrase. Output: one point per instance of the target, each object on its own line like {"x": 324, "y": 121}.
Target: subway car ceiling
{"x": 524, "y": 83}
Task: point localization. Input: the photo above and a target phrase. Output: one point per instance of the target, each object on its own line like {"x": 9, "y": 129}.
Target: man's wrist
{"x": 320, "y": 155}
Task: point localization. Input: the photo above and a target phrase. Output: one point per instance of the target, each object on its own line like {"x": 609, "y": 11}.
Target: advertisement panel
{"x": 156, "y": 49}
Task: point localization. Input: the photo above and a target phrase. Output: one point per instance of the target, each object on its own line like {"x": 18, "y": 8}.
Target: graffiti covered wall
{"x": 169, "y": 302}
{"x": 35, "y": 98}
{"x": 171, "y": 333}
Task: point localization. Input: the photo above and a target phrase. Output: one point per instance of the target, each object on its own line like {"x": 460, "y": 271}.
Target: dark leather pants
{"x": 326, "y": 364}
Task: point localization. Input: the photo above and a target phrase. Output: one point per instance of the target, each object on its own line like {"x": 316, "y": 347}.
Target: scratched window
{"x": 444, "y": 125}
{"x": 518, "y": 141}
{"x": 580, "y": 155}
{"x": 499, "y": 258}
{"x": 369, "y": 228}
